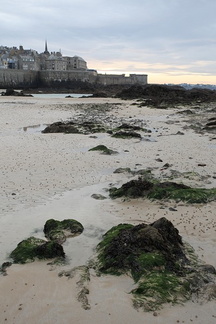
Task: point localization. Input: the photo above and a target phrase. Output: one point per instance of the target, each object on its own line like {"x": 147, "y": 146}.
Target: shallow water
{"x": 76, "y": 204}
{"x": 34, "y": 128}
{"x": 59, "y": 95}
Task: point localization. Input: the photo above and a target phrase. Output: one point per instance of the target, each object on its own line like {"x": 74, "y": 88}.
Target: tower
{"x": 46, "y": 48}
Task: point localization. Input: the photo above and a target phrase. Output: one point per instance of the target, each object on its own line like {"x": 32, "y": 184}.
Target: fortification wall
{"x": 112, "y": 79}
{"x": 23, "y": 79}
{"x": 48, "y": 77}
{"x": 18, "y": 78}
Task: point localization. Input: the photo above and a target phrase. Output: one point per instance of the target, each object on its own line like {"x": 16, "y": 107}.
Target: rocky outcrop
{"x": 154, "y": 189}
{"x": 164, "y": 269}
{"x": 161, "y": 95}
{"x": 70, "y": 127}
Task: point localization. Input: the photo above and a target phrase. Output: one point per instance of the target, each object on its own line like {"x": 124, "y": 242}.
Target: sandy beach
{"x": 47, "y": 176}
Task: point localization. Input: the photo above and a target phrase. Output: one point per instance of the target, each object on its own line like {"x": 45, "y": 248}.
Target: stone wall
{"x": 18, "y": 78}
{"x": 111, "y": 79}
{"x": 23, "y": 79}
{"x": 48, "y": 77}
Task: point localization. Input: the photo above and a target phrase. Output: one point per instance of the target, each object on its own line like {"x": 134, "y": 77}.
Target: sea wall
{"x": 23, "y": 79}
{"x": 49, "y": 77}
{"x": 18, "y": 78}
{"x": 112, "y": 79}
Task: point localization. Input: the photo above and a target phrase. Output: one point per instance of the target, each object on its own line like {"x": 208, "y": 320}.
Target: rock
{"x": 162, "y": 96}
{"x": 147, "y": 187}
{"x": 163, "y": 268}
{"x": 126, "y": 134}
{"x": 4, "y": 267}
{"x": 124, "y": 244}
{"x": 12, "y": 92}
{"x": 201, "y": 164}
{"x": 207, "y": 268}
{"x": 73, "y": 127}
{"x": 122, "y": 170}
{"x": 49, "y": 250}
{"x": 58, "y": 231}
{"x": 98, "y": 196}
{"x": 33, "y": 248}
{"x": 103, "y": 149}
{"x": 209, "y": 292}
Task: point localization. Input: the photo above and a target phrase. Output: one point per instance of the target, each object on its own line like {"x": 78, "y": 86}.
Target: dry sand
{"x": 53, "y": 176}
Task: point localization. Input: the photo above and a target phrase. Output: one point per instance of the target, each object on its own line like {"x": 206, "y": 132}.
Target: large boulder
{"x": 164, "y": 269}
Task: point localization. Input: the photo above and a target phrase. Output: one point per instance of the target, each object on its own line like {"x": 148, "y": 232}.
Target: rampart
{"x": 28, "y": 79}
{"x": 18, "y": 78}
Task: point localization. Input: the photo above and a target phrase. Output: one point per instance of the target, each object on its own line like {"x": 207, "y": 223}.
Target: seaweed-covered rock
{"x": 152, "y": 189}
{"x": 126, "y": 134}
{"x": 126, "y": 246}
{"x": 58, "y": 231}
{"x": 134, "y": 189}
{"x": 33, "y": 248}
{"x": 164, "y": 269}
{"x": 74, "y": 127}
{"x": 103, "y": 149}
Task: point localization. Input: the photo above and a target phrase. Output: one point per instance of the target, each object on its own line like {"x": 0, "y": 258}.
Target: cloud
{"x": 163, "y": 36}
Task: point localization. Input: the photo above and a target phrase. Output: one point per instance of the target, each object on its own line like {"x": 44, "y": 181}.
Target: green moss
{"x": 103, "y": 149}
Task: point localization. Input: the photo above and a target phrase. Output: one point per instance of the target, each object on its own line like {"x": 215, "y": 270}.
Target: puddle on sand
{"x": 77, "y": 204}
{"x": 34, "y": 128}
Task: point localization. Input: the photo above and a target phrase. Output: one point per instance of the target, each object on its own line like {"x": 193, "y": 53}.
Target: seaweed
{"x": 33, "y": 248}
{"x": 59, "y": 230}
{"x": 143, "y": 187}
{"x": 103, "y": 149}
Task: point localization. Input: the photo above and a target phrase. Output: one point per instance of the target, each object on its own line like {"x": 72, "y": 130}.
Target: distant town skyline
{"x": 171, "y": 41}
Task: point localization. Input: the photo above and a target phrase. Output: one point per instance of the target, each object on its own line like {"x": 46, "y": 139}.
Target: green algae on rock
{"x": 126, "y": 135}
{"x": 58, "y": 231}
{"x": 103, "y": 149}
{"x": 154, "y": 189}
{"x": 164, "y": 269}
{"x": 33, "y": 248}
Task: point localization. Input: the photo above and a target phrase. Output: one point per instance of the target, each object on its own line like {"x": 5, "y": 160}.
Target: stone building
{"x": 55, "y": 62}
{"x": 75, "y": 63}
{"x": 28, "y": 67}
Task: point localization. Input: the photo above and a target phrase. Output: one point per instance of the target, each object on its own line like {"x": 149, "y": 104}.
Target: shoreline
{"x": 53, "y": 176}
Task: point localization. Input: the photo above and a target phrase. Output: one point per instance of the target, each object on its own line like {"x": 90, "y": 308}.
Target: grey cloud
{"x": 160, "y": 32}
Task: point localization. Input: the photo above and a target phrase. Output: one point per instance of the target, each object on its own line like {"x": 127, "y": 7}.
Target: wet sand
{"x": 53, "y": 176}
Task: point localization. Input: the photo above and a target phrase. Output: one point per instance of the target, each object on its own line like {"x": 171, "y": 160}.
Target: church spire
{"x": 46, "y": 48}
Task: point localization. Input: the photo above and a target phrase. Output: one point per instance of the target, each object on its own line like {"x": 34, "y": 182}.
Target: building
{"x": 53, "y": 67}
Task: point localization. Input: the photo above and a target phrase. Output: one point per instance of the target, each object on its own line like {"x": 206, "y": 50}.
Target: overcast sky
{"x": 173, "y": 41}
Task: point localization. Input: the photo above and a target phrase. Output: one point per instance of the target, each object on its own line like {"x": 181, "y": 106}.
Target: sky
{"x": 172, "y": 41}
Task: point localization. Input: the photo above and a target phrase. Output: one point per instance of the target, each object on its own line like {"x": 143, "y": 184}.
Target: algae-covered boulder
{"x": 163, "y": 268}
{"x": 127, "y": 248}
{"x": 58, "y": 231}
{"x": 103, "y": 149}
{"x": 126, "y": 134}
{"x": 153, "y": 189}
{"x": 75, "y": 127}
{"x": 33, "y": 248}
